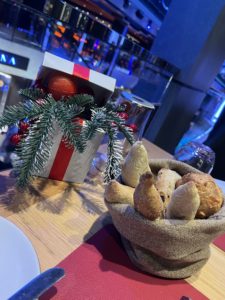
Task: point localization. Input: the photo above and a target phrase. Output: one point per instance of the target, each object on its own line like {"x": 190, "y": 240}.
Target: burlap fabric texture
{"x": 167, "y": 248}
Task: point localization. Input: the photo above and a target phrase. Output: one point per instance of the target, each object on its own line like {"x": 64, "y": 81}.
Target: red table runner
{"x": 100, "y": 269}
{"x": 220, "y": 242}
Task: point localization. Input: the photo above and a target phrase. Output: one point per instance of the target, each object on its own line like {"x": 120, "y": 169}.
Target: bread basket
{"x": 167, "y": 247}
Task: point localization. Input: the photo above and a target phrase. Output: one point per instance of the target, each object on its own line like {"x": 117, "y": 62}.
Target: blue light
{"x": 130, "y": 64}
{"x": 7, "y": 59}
{"x": 12, "y": 61}
{"x": 3, "y": 58}
{"x": 149, "y": 25}
{"x": 219, "y": 111}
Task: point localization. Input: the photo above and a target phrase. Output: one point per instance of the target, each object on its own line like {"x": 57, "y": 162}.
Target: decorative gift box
{"x": 65, "y": 163}
{"x": 170, "y": 248}
{"x": 61, "y": 123}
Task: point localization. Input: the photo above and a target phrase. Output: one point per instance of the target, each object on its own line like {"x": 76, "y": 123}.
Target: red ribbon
{"x": 61, "y": 162}
{"x": 64, "y": 154}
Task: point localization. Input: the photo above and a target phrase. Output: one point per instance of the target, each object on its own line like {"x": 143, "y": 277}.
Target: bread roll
{"x": 115, "y": 192}
{"x": 147, "y": 200}
{"x": 165, "y": 184}
{"x": 136, "y": 164}
{"x": 211, "y": 198}
{"x": 184, "y": 202}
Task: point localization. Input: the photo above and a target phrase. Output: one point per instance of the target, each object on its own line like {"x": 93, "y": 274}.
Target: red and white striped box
{"x": 67, "y": 164}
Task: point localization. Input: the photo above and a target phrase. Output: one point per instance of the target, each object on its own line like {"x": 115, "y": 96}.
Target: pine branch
{"x": 102, "y": 118}
{"x": 113, "y": 117}
{"x": 127, "y": 132}
{"x": 90, "y": 130}
{"x": 97, "y": 122}
{"x": 114, "y": 154}
{"x": 80, "y": 100}
{"x": 22, "y": 110}
{"x": 72, "y": 131}
{"x": 35, "y": 150}
{"x": 32, "y": 93}
{"x": 110, "y": 106}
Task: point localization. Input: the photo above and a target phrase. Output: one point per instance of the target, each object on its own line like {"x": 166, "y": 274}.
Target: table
{"x": 58, "y": 216}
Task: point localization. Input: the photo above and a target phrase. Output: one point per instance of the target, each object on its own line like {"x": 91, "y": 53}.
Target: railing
{"x": 21, "y": 23}
{"x": 75, "y": 35}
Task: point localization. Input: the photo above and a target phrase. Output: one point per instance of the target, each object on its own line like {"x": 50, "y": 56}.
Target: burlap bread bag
{"x": 167, "y": 248}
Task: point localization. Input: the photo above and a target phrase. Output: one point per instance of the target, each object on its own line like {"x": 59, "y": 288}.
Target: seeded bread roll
{"x": 147, "y": 200}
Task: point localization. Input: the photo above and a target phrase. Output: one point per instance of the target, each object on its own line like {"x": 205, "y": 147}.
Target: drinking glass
{"x": 197, "y": 155}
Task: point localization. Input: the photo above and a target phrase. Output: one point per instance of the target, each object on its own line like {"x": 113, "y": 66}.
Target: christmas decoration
{"x": 79, "y": 121}
{"x": 15, "y": 139}
{"x": 123, "y": 115}
{"x": 23, "y": 127}
{"x": 61, "y": 85}
{"x": 133, "y": 127}
{"x": 34, "y": 148}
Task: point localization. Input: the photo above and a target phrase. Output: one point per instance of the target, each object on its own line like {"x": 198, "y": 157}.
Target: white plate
{"x": 18, "y": 259}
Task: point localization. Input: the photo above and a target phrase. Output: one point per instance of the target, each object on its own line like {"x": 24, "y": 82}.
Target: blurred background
{"x": 163, "y": 52}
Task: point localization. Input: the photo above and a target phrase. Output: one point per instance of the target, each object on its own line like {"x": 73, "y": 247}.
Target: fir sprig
{"x": 111, "y": 123}
{"x": 35, "y": 149}
{"x": 32, "y": 93}
{"x": 114, "y": 156}
{"x": 103, "y": 118}
{"x": 116, "y": 119}
{"x": 72, "y": 130}
{"x": 98, "y": 121}
{"x": 23, "y": 110}
{"x": 80, "y": 100}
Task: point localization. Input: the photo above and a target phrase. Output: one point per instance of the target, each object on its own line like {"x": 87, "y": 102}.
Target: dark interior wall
{"x": 191, "y": 38}
{"x": 17, "y": 83}
{"x": 185, "y": 30}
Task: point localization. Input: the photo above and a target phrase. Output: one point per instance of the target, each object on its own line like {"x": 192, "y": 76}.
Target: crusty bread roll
{"x": 200, "y": 178}
{"x": 211, "y": 198}
{"x": 184, "y": 202}
{"x": 165, "y": 184}
{"x": 115, "y": 192}
{"x": 147, "y": 200}
{"x": 136, "y": 164}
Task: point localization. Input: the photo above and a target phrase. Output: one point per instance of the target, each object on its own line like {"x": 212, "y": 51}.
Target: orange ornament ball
{"x": 60, "y": 85}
